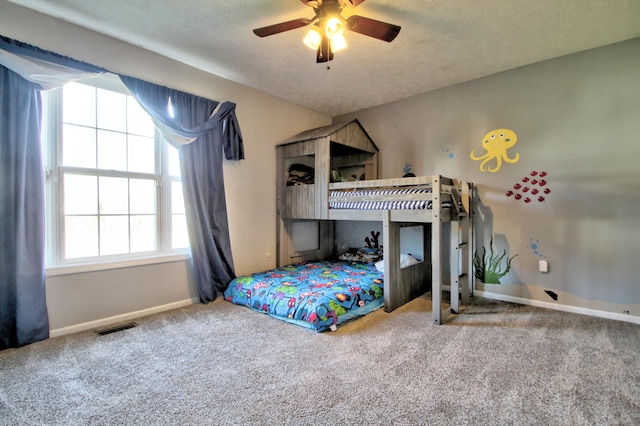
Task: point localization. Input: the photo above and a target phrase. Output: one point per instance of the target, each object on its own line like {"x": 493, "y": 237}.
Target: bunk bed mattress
{"x": 314, "y": 295}
{"x": 384, "y": 203}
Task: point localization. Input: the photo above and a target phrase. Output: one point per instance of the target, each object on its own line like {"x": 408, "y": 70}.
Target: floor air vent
{"x": 117, "y": 328}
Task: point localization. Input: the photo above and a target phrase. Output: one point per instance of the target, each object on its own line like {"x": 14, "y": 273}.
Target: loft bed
{"x": 436, "y": 201}
{"x": 330, "y": 174}
{"x": 339, "y": 181}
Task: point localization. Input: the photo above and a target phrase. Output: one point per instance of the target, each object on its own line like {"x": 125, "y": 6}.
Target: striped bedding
{"x": 407, "y": 199}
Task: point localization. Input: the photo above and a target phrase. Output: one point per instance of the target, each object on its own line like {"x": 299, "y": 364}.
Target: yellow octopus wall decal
{"x": 497, "y": 142}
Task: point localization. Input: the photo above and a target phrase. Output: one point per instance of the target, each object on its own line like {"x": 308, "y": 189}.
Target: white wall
{"x": 86, "y": 299}
{"x": 578, "y": 119}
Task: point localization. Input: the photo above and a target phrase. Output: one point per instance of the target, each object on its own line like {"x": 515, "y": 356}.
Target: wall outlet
{"x": 267, "y": 253}
{"x": 543, "y": 266}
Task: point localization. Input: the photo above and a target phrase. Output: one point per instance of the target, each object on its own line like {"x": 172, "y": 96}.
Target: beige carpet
{"x": 220, "y": 364}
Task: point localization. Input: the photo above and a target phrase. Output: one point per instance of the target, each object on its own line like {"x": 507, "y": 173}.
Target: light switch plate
{"x": 543, "y": 266}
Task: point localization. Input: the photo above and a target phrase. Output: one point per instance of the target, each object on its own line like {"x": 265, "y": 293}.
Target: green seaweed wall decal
{"x": 487, "y": 267}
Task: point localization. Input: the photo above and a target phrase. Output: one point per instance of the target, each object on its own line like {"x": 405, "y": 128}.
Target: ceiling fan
{"x": 326, "y": 34}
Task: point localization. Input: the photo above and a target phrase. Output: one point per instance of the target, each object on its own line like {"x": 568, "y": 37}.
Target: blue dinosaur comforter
{"x": 315, "y": 295}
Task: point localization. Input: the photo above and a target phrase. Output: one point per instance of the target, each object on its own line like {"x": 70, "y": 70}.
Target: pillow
{"x": 406, "y": 260}
{"x": 300, "y": 174}
{"x": 362, "y": 254}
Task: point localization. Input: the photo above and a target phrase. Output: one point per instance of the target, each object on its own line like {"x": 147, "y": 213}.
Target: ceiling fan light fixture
{"x": 338, "y": 43}
{"x": 313, "y": 38}
{"x": 334, "y": 27}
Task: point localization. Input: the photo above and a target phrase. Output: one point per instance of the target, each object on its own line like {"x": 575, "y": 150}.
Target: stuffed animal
{"x": 373, "y": 241}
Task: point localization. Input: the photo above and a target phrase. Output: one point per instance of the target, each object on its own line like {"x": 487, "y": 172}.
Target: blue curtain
{"x": 212, "y": 126}
{"x": 202, "y": 130}
{"x": 23, "y": 310}
{"x": 25, "y": 70}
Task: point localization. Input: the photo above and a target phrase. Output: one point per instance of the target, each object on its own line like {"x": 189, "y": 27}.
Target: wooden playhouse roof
{"x": 349, "y": 133}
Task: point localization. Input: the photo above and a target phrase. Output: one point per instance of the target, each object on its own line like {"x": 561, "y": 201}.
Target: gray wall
{"x": 578, "y": 119}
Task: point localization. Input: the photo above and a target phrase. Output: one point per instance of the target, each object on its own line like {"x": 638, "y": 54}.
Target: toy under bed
{"x": 315, "y": 295}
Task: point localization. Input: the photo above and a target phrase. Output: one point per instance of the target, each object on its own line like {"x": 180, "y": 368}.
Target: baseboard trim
{"x": 559, "y": 307}
{"x": 120, "y": 318}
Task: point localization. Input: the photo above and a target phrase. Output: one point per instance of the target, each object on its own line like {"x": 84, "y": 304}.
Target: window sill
{"x": 54, "y": 271}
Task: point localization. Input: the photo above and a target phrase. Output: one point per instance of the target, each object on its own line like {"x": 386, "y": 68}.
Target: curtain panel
{"x": 45, "y": 70}
{"x": 23, "y": 310}
{"x": 24, "y": 71}
{"x": 202, "y": 128}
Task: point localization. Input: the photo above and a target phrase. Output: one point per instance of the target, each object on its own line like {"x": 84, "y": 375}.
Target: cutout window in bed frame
{"x": 300, "y": 170}
{"x": 411, "y": 241}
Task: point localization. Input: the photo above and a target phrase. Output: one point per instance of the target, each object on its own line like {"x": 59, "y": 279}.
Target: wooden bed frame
{"x": 347, "y": 146}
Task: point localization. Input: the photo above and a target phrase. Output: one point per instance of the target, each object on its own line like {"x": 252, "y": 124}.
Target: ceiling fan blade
{"x": 354, "y": 3}
{"x": 372, "y": 28}
{"x": 281, "y": 27}
{"x": 312, "y": 3}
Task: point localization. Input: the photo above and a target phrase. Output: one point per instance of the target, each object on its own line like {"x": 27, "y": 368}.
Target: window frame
{"x": 51, "y": 137}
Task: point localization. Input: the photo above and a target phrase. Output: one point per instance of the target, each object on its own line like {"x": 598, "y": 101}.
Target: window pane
{"x": 177, "y": 199}
{"x": 80, "y": 236}
{"x": 114, "y": 195}
{"x": 143, "y": 233}
{"x": 112, "y": 110}
{"x": 80, "y": 194}
{"x": 114, "y": 235}
{"x": 174, "y": 160}
{"x": 78, "y": 146}
{"x": 138, "y": 121}
{"x": 79, "y": 104}
{"x": 143, "y": 196}
{"x": 179, "y": 233}
{"x": 142, "y": 152}
{"x": 109, "y": 170}
{"x": 112, "y": 150}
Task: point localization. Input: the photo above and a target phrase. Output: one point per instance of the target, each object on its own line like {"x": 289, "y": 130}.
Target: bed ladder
{"x": 461, "y": 252}
{"x": 461, "y": 248}
{"x": 460, "y": 257}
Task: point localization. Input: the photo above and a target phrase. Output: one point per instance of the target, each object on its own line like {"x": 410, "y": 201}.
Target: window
{"x": 113, "y": 183}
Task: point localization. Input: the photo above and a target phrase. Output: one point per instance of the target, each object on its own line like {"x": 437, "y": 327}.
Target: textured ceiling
{"x": 442, "y": 42}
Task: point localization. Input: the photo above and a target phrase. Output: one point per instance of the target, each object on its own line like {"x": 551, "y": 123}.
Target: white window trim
{"x": 80, "y": 268}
